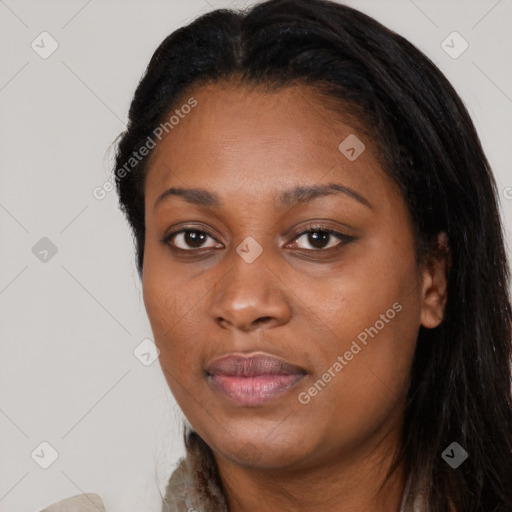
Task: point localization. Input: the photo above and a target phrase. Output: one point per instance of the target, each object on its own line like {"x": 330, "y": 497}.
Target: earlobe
{"x": 435, "y": 283}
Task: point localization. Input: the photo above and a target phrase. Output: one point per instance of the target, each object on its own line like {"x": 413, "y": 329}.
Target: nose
{"x": 250, "y": 296}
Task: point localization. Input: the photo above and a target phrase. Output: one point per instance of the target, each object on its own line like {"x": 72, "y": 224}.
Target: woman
{"x": 323, "y": 267}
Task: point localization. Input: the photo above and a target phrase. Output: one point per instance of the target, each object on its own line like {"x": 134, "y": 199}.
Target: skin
{"x": 292, "y": 301}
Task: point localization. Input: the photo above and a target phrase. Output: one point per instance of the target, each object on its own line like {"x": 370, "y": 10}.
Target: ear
{"x": 434, "y": 282}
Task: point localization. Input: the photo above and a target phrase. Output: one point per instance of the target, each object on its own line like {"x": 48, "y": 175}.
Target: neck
{"x": 347, "y": 482}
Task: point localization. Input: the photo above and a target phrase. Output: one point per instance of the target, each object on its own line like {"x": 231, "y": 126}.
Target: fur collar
{"x": 194, "y": 485}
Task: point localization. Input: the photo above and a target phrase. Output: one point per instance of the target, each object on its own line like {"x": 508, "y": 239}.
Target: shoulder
{"x": 89, "y": 502}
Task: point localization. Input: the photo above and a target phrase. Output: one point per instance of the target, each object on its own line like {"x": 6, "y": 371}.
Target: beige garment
{"x": 180, "y": 496}
{"x": 88, "y": 502}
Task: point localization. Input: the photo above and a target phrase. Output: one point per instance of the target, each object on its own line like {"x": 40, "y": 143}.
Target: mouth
{"x": 253, "y": 380}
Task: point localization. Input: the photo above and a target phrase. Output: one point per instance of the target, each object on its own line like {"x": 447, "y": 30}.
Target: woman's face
{"x": 243, "y": 277}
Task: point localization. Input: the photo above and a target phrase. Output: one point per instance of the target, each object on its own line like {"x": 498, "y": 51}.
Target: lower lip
{"x": 257, "y": 390}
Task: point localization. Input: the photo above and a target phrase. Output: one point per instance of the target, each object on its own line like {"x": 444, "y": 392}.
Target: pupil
{"x": 318, "y": 237}
{"x": 194, "y": 238}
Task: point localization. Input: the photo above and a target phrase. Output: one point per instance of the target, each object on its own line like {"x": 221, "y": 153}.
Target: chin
{"x": 257, "y": 450}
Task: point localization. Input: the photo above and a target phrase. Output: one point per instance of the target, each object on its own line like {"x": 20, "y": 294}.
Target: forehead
{"x": 236, "y": 136}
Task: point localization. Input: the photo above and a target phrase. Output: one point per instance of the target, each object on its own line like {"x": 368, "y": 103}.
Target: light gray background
{"x": 69, "y": 326}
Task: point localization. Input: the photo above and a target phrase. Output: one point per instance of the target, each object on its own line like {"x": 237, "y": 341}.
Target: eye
{"x": 321, "y": 238}
{"x": 190, "y": 239}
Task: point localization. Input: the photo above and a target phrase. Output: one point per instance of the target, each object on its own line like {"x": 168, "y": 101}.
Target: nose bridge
{"x": 250, "y": 293}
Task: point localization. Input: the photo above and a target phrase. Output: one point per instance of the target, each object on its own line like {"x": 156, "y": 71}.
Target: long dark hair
{"x": 461, "y": 376}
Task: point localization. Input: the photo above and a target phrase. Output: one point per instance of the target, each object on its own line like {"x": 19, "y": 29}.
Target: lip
{"x": 253, "y": 380}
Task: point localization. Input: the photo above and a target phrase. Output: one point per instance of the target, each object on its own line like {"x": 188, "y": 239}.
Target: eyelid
{"x": 318, "y": 226}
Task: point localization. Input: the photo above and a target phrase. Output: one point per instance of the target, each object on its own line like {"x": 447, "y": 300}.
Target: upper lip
{"x": 249, "y": 366}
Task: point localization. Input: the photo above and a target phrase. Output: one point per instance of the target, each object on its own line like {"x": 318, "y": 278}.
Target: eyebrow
{"x": 292, "y": 197}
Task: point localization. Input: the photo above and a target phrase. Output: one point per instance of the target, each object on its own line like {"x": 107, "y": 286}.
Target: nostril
{"x": 264, "y": 319}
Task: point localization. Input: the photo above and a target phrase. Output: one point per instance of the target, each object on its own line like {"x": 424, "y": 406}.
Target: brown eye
{"x": 188, "y": 239}
{"x": 321, "y": 239}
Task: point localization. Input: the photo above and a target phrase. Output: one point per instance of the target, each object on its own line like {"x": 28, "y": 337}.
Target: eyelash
{"x": 344, "y": 239}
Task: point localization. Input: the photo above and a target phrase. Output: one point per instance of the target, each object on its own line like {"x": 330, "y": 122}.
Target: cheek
{"x": 370, "y": 383}
{"x": 169, "y": 307}
{"x": 353, "y": 296}
{"x": 170, "y": 317}
{"x": 372, "y": 310}
{"x": 175, "y": 305}
{"x": 374, "y": 333}
{"x": 168, "y": 299}
{"x": 160, "y": 301}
